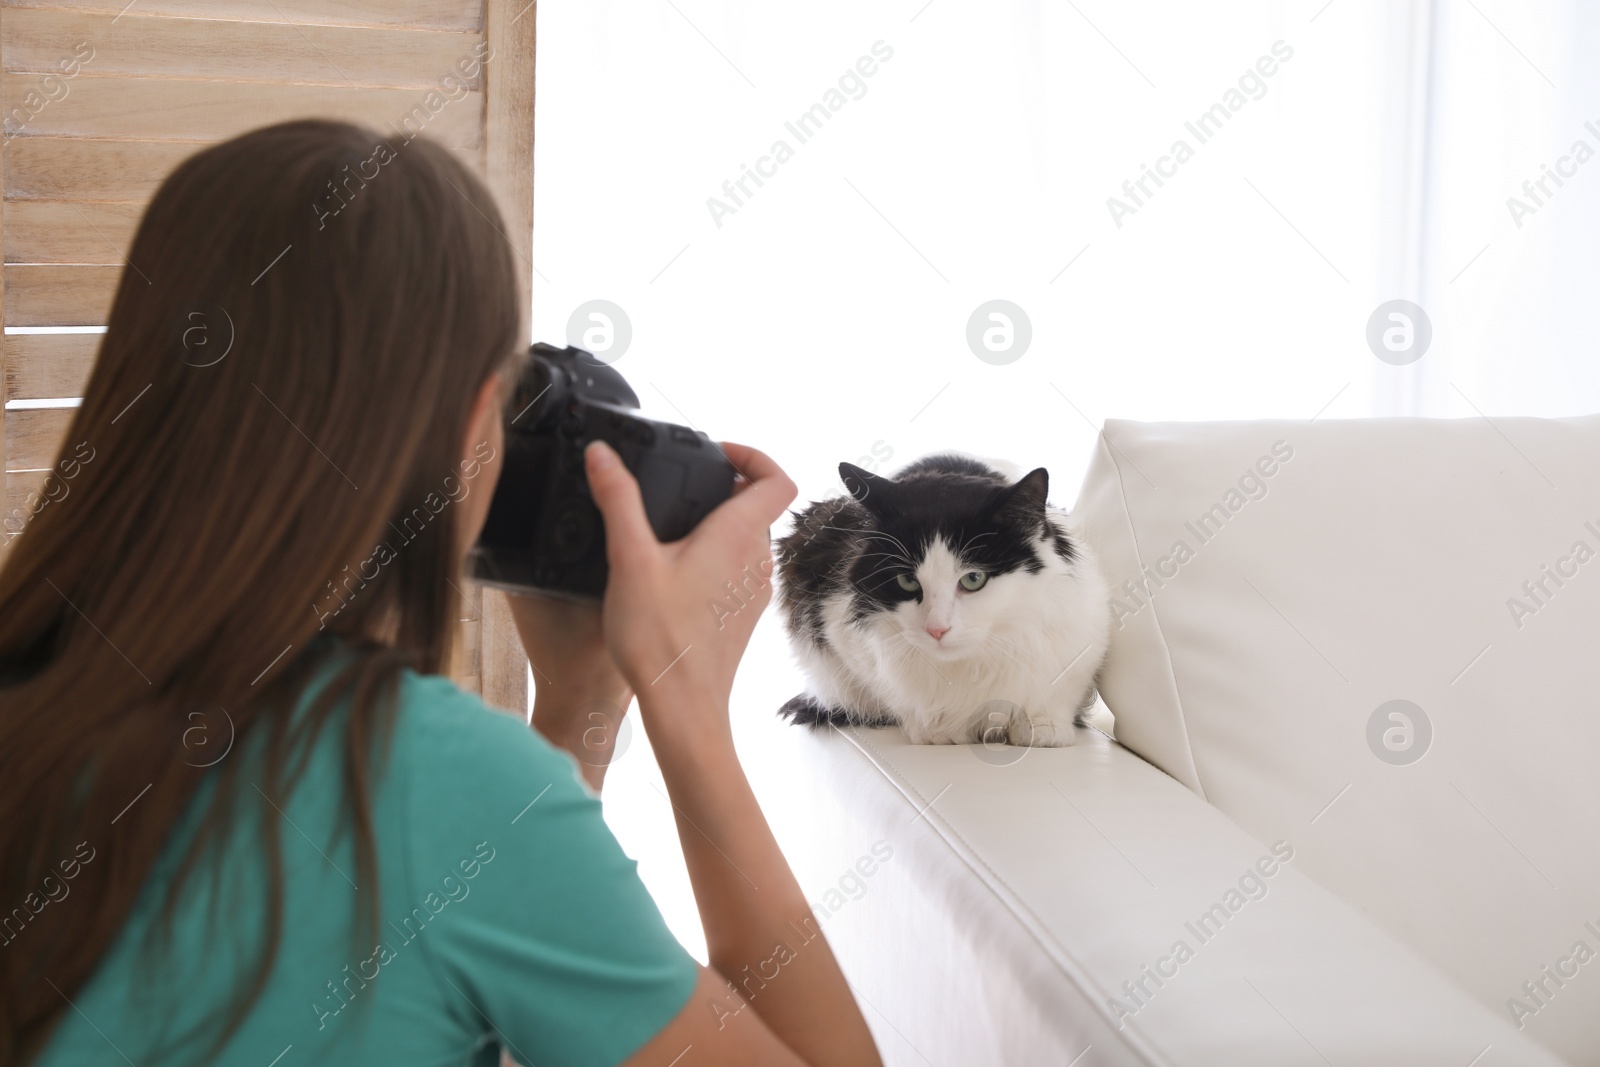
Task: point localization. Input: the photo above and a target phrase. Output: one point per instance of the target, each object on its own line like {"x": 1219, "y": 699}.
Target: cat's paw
{"x": 802, "y": 710}
{"x": 1043, "y": 734}
{"x": 806, "y": 710}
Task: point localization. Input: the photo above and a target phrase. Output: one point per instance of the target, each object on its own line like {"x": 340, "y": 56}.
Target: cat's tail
{"x": 805, "y": 710}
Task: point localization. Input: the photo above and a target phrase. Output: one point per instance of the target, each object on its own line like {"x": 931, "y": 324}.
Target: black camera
{"x": 543, "y": 531}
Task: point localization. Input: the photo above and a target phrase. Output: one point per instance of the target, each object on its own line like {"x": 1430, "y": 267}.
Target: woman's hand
{"x": 564, "y": 642}
{"x": 579, "y": 695}
{"x": 677, "y": 616}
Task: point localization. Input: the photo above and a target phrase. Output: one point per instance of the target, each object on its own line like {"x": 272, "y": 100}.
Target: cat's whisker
{"x": 877, "y": 535}
{"x": 1001, "y": 645}
{"x": 888, "y": 568}
{"x": 968, "y": 543}
{"x": 889, "y": 537}
{"x": 925, "y": 659}
{"x": 868, "y": 534}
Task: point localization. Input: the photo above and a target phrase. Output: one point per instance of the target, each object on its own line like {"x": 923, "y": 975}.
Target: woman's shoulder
{"x": 458, "y": 737}
{"x": 435, "y": 703}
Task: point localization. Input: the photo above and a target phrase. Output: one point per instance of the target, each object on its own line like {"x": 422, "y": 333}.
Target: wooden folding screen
{"x": 102, "y": 98}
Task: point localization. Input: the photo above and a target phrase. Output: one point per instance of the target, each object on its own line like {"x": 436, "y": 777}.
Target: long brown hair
{"x": 290, "y": 365}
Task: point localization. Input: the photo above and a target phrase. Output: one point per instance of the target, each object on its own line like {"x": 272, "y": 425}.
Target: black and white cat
{"x": 950, "y": 600}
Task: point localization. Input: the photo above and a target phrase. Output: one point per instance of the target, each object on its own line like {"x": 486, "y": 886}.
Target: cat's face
{"x": 949, "y": 557}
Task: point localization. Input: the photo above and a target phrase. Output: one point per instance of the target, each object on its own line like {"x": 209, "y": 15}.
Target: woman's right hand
{"x": 677, "y": 616}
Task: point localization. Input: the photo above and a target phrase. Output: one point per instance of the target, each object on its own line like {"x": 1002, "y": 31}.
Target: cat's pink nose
{"x": 936, "y": 632}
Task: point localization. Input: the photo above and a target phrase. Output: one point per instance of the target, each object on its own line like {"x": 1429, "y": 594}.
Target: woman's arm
{"x": 760, "y": 931}
{"x": 781, "y": 982}
{"x": 579, "y": 696}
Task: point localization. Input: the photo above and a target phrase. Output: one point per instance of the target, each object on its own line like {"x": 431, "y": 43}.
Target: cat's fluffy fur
{"x": 1020, "y": 655}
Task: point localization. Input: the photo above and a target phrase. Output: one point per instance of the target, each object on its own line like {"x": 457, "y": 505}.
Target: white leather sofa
{"x": 1272, "y": 863}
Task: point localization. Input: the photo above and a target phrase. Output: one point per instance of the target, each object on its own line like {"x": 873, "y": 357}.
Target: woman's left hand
{"x": 579, "y": 695}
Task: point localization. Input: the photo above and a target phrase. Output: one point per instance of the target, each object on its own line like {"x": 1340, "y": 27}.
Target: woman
{"x": 241, "y": 814}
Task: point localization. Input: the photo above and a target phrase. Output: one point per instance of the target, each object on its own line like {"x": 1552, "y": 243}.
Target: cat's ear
{"x": 1025, "y": 501}
{"x": 861, "y": 484}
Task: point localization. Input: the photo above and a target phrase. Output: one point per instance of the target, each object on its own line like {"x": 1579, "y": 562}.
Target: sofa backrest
{"x": 1380, "y": 640}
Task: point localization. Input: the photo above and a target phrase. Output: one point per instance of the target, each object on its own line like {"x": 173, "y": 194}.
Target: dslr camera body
{"x": 543, "y": 531}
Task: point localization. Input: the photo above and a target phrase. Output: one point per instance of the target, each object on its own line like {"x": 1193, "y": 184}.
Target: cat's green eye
{"x": 908, "y": 583}
{"x": 972, "y": 581}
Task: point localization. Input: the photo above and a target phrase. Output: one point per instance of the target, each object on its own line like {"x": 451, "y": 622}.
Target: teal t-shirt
{"x": 509, "y": 916}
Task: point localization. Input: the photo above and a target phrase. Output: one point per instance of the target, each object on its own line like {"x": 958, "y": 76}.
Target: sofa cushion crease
{"x": 1177, "y": 760}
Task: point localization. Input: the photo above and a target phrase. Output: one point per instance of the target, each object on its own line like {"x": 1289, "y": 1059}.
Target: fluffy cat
{"x": 950, "y": 600}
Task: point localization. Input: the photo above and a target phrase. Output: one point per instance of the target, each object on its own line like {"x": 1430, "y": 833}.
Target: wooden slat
{"x": 33, "y": 437}
{"x": 471, "y": 639}
{"x": 56, "y": 168}
{"x": 58, "y": 295}
{"x": 55, "y": 231}
{"x": 47, "y": 364}
{"x": 196, "y": 110}
{"x": 467, "y": 651}
{"x": 138, "y": 44}
{"x": 508, "y": 165}
{"x": 465, "y": 663}
{"x": 503, "y": 664}
{"x": 508, "y": 151}
{"x": 19, "y": 486}
{"x": 5, "y": 369}
{"x": 423, "y": 14}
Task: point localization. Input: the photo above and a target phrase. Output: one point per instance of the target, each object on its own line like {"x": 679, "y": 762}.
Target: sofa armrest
{"x": 1014, "y": 906}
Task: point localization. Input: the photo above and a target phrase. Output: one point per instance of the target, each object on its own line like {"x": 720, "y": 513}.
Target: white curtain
{"x": 1515, "y": 213}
